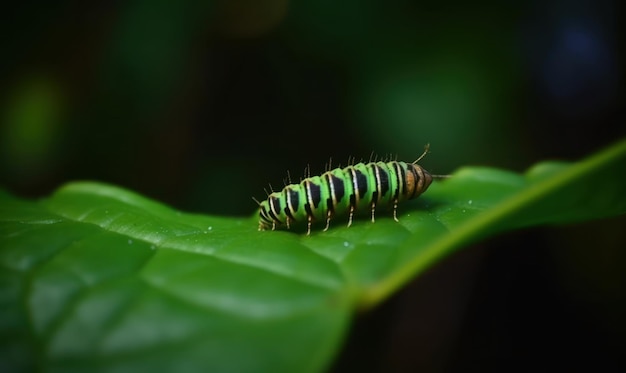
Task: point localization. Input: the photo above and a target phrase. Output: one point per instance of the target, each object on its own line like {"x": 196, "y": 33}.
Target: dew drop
{"x": 346, "y": 244}
{"x": 130, "y": 242}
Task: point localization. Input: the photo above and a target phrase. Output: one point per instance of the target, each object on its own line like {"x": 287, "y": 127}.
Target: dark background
{"x": 200, "y": 104}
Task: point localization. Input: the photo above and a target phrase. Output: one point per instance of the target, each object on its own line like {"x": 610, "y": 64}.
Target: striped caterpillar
{"x": 342, "y": 190}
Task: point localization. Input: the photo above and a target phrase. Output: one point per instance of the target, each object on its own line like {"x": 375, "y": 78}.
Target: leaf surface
{"x": 97, "y": 278}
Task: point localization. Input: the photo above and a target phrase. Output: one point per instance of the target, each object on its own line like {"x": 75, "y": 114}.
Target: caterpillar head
{"x": 417, "y": 180}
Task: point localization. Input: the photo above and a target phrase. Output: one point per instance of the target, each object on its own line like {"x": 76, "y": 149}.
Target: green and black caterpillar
{"x": 341, "y": 190}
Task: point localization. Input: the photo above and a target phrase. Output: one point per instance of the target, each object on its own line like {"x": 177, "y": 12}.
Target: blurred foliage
{"x": 167, "y": 97}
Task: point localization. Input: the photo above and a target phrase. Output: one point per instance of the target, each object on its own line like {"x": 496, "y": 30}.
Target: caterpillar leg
{"x": 288, "y": 222}
{"x": 274, "y": 225}
{"x": 328, "y": 217}
{"x": 395, "y": 210}
{"x": 308, "y": 226}
{"x": 373, "y": 211}
{"x": 351, "y": 214}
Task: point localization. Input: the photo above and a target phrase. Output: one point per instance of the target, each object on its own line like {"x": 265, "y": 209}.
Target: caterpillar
{"x": 342, "y": 190}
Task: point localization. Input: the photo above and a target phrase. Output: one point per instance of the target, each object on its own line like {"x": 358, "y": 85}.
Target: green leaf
{"x": 97, "y": 278}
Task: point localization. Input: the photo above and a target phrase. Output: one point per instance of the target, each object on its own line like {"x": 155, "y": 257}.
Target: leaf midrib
{"x": 471, "y": 229}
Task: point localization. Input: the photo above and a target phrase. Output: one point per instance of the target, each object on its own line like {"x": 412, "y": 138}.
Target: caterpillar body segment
{"x": 343, "y": 191}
